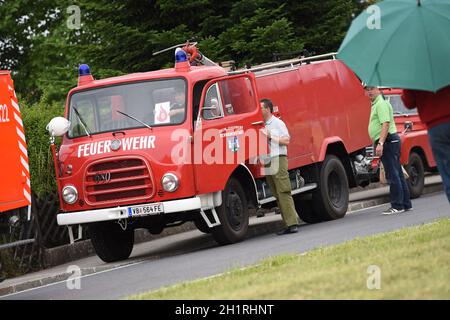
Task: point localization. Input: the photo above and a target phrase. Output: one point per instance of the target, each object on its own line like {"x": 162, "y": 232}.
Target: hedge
{"x": 35, "y": 119}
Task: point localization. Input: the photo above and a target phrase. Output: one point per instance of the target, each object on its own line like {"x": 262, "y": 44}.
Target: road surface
{"x": 207, "y": 259}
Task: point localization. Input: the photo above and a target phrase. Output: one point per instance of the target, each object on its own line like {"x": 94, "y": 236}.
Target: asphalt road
{"x": 209, "y": 259}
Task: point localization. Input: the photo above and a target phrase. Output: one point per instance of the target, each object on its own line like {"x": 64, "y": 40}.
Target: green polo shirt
{"x": 381, "y": 112}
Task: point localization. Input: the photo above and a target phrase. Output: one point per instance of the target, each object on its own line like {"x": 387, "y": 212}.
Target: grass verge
{"x": 412, "y": 263}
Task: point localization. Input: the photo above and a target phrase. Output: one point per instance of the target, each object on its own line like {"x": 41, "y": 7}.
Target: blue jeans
{"x": 440, "y": 144}
{"x": 398, "y": 188}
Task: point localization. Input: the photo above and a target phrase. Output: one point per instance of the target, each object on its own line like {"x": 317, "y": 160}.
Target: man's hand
{"x": 266, "y": 133}
{"x": 379, "y": 150}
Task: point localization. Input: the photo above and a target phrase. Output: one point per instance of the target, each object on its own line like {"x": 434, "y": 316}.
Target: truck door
{"x": 227, "y": 131}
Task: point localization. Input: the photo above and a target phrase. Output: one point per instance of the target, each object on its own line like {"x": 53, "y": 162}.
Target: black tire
{"x": 330, "y": 200}
{"x": 156, "y": 229}
{"x": 305, "y": 210}
{"x": 110, "y": 242}
{"x": 201, "y": 225}
{"x": 416, "y": 171}
{"x": 233, "y": 215}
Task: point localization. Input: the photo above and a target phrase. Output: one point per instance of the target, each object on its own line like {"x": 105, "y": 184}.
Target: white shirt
{"x": 277, "y": 128}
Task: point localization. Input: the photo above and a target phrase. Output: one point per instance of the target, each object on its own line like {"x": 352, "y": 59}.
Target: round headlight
{"x": 170, "y": 182}
{"x": 70, "y": 194}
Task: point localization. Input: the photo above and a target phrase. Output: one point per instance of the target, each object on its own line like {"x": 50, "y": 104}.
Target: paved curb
{"x": 359, "y": 205}
{"x": 254, "y": 230}
{"x": 48, "y": 280}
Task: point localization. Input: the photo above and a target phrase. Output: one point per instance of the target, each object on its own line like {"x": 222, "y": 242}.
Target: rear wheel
{"x": 110, "y": 242}
{"x": 330, "y": 200}
{"x": 416, "y": 171}
{"x": 233, "y": 214}
{"x": 305, "y": 211}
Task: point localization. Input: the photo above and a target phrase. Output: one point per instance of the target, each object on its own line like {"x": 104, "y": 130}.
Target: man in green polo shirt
{"x": 387, "y": 142}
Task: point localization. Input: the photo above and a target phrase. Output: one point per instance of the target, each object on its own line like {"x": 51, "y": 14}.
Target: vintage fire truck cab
{"x": 416, "y": 154}
{"x": 157, "y": 149}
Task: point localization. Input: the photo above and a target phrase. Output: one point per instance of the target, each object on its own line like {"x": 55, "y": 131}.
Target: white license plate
{"x": 147, "y": 210}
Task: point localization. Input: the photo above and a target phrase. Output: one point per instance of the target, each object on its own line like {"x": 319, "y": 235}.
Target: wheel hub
{"x": 414, "y": 175}
{"x": 334, "y": 189}
{"x": 235, "y": 211}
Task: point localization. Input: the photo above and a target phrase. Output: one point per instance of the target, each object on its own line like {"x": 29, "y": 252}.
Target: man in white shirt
{"x": 278, "y": 179}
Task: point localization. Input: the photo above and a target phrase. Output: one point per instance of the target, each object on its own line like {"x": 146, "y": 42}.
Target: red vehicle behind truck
{"x": 136, "y": 155}
{"x": 416, "y": 154}
{"x": 15, "y": 189}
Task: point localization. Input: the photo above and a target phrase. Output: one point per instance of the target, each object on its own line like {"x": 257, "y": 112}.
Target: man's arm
{"x": 283, "y": 141}
{"x": 383, "y": 136}
{"x": 409, "y": 99}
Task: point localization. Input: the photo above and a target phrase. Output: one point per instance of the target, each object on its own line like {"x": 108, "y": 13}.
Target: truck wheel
{"x": 233, "y": 214}
{"x": 156, "y": 229}
{"x": 416, "y": 173}
{"x": 305, "y": 210}
{"x": 330, "y": 200}
{"x": 110, "y": 242}
{"x": 202, "y": 226}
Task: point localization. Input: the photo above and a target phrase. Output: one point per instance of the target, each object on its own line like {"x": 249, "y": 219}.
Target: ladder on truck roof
{"x": 285, "y": 63}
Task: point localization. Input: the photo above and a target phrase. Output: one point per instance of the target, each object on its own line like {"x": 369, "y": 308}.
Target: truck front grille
{"x": 119, "y": 180}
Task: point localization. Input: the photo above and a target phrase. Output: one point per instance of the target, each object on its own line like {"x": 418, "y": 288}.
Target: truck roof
{"x": 195, "y": 74}
{"x": 271, "y": 70}
{"x": 388, "y": 91}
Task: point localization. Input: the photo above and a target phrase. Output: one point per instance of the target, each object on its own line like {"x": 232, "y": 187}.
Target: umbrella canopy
{"x": 401, "y": 43}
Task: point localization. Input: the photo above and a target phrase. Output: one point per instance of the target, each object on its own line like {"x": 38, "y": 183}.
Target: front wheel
{"x": 330, "y": 200}
{"x": 416, "y": 171}
{"x": 110, "y": 242}
{"x": 201, "y": 225}
{"x": 233, "y": 215}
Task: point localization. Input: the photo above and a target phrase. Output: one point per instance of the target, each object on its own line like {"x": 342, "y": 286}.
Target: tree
{"x": 118, "y": 37}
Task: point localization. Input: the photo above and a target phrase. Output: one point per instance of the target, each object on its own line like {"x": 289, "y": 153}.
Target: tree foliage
{"x": 119, "y": 36}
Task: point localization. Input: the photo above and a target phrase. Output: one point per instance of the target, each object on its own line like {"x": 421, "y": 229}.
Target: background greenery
{"x": 118, "y": 37}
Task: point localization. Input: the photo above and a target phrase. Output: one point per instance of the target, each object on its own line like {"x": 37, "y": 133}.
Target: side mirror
{"x": 58, "y": 127}
{"x": 408, "y": 126}
{"x": 208, "y": 115}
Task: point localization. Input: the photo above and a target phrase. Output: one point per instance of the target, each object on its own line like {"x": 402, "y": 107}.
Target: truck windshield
{"x": 398, "y": 106}
{"x": 127, "y": 106}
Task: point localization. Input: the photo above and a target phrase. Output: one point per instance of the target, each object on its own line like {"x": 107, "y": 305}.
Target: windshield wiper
{"x": 135, "y": 119}
{"x": 83, "y": 124}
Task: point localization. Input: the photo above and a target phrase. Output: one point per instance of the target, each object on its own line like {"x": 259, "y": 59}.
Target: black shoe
{"x": 288, "y": 230}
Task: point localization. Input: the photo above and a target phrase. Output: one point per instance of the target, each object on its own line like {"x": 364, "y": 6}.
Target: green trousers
{"x": 278, "y": 179}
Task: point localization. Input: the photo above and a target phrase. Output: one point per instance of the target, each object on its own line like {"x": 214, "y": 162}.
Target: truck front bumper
{"x": 117, "y": 213}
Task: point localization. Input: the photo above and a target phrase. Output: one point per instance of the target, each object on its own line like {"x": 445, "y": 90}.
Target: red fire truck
{"x": 156, "y": 149}
{"x": 15, "y": 190}
{"x": 416, "y": 154}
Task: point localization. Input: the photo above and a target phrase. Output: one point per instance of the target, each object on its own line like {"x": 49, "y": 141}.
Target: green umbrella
{"x": 407, "y": 47}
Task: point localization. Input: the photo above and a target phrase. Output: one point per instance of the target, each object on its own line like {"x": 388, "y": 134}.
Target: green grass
{"x": 414, "y": 264}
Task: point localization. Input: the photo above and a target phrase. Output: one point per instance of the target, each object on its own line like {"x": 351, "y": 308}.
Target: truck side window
{"x": 237, "y": 100}
{"x": 213, "y": 104}
{"x": 198, "y": 88}
{"x": 398, "y": 106}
